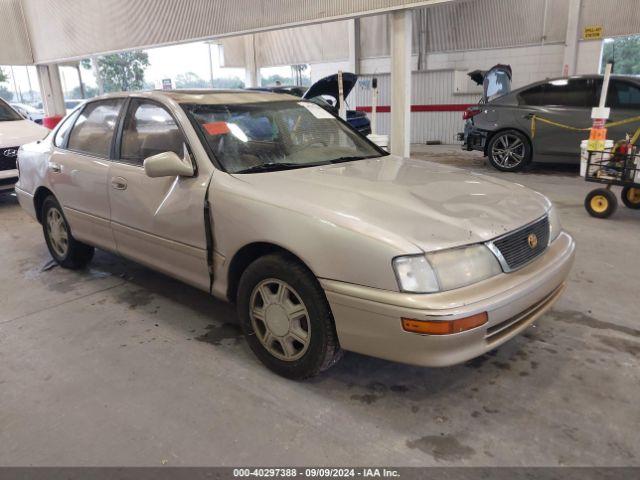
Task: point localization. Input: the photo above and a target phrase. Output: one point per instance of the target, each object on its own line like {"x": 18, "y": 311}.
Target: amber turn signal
{"x": 444, "y": 327}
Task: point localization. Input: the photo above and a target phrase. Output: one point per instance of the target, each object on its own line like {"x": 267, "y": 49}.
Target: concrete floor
{"x": 118, "y": 365}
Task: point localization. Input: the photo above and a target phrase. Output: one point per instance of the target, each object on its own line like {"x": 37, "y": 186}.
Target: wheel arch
{"x": 38, "y": 200}
{"x": 506, "y": 129}
{"x": 246, "y": 255}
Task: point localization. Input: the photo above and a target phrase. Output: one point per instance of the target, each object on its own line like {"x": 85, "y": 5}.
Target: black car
{"x": 325, "y": 93}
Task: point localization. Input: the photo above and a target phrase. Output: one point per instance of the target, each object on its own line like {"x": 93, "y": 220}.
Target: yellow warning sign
{"x": 593, "y": 32}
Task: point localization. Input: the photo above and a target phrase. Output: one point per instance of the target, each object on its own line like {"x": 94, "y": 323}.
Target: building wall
{"x": 435, "y": 88}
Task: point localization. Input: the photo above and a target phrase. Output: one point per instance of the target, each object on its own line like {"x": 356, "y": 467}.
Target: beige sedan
{"x": 325, "y": 242}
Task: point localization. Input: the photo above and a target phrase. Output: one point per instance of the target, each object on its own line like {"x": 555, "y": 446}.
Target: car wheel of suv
{"x": 65, "y": 250}
{"x": 509, "y": 151}
{"x": 286, "y": 318}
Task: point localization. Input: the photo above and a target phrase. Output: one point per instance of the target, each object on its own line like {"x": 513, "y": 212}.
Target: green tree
{"x": 3, "y": 76}
{"x": 121, "y": 72}
{"x": 190, "y": 80}
{"x": 233, "y": 82}
{"x": 624, "y": 53}
{"x": 5, "y": 93}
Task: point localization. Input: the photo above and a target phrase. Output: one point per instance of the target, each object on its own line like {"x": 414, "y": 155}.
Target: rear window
{"x": 93, "y": 131}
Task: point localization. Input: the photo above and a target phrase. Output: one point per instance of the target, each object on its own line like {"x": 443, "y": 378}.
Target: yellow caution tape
{"x": 535, "y": 119}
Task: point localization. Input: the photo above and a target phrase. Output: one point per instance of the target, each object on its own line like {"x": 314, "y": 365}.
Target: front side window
{"x": 255, "y": 137}
{"x": 93, "y": 131}
{"x": 7, "y": 113}
{"x": 623, "y": 95}
{"x": 149, "y": 129}
{"x": 564, "y": 92}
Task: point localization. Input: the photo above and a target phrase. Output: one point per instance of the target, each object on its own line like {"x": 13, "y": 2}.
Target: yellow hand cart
{"x": 612, "y": 167}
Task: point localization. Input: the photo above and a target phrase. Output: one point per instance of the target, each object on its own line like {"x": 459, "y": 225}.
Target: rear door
{"x": 78, "y": 169}
{"x": 158, "y": 222}
{"x": 567, "y": 101}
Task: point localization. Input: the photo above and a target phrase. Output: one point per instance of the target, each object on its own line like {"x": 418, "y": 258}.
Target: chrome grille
{"x": 514, "y": 250}
{"x": 8, "y": 157}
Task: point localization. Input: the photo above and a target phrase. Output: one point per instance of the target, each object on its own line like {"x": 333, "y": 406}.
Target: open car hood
{"x": 495, "y": 82}
{"x": 329, "y": 86}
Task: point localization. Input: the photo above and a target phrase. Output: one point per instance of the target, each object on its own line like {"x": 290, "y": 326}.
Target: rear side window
{"x": 149, "y": 129}
{"x": 623, "y": 95}
{"x": 572, "y": 92}
{"x": 63, "y": 132}
{"x": 92, "y": 132}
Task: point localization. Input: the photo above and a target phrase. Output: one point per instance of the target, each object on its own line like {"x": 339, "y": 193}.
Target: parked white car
{"x": 29, "y": 112}
{"x": 324, "y": 241}
{"x": 14, "y": 132}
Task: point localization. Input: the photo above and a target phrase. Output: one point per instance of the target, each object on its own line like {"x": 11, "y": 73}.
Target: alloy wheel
{"x": 508, "y": 151}
{"x": 280, "y": 319}
{"x": 57, "y": 232}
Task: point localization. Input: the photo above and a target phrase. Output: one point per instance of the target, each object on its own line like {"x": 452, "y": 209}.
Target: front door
{"x": 158, "y": 222}
{"x": 78, "y": 170}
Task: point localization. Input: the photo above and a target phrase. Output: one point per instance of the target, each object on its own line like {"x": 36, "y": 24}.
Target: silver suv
{"x": 500, "y": 125}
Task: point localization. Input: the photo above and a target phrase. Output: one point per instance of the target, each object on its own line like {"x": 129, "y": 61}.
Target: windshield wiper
{"x": 272, "y": 167}
{"x": 351, "y": 159}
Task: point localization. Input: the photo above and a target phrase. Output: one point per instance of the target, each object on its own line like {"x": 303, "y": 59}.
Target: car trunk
{"x": 495, "y": 82}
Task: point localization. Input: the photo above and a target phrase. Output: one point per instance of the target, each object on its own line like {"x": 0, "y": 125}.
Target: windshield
{"x": 253, "y": 137}
{"x": 7, "y": 113}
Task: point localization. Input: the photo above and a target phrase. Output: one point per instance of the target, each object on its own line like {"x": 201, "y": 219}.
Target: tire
{"x": 292, "y": 316}
{"x": 509, "y": 151}
{"x": 631, "y": 197}
{"x": 601, "y": 203}
{"x": 65, "y": 250}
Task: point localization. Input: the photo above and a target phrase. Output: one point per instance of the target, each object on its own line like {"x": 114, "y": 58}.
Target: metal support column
{"x": 401, "y": 83}
{"x": 573, "y": 35}
{"x": 252, "y": 76}
{"x": 51, "y": 90}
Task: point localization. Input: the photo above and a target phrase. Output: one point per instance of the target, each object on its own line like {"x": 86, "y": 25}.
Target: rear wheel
{"x": 601, "y": 203}
{"x": 65, "y": 250}
{"x": 509, "y": 151}
{"x": 631, "y": 197}
{"x": 286, "y": 318}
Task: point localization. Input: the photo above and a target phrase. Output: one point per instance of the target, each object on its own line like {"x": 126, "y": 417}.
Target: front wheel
{"x": 509, "y": 151}
{"x": 65, "y": 250}
{"x": 631, "y": 197}
{"x": 601, "y": 203}
{"x": 286, "y": 318}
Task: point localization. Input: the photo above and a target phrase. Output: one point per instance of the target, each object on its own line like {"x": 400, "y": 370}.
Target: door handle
{"x": 118, "y": 183}
{"x": 54, "y": 167}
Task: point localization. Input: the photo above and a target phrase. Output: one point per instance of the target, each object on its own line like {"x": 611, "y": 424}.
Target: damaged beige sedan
{"x": 323, "y": 241}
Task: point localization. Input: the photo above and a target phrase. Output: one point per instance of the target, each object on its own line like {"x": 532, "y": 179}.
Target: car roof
{"x": 206, "y": 96}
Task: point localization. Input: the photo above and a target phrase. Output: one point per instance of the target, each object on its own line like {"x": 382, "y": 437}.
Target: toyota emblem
{"x": 532, "y": 240}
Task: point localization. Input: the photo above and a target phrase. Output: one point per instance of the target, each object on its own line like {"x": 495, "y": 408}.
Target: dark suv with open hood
{"x": 325, "y": 93}
{"x": 500, "y": 125}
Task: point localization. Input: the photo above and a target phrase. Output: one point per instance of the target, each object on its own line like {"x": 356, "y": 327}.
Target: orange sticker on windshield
{"x": 216, "y": 128}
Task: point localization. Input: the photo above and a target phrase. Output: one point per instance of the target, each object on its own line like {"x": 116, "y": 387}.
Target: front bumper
{"x": 8, "y": 179}
{"x": 368, "y": 320}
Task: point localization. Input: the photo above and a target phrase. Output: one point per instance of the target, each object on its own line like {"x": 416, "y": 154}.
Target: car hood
{"x": 16, "y": 133}
{"x": 396, "y": 200}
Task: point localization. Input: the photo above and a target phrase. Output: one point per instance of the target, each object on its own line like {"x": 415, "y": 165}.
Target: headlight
{"x": 445, "y": 270}
{"x": 554, "y": 224}
{"x": 415, "y": 275}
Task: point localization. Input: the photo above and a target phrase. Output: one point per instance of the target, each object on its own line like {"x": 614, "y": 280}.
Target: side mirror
{"x": 167, "y": 164}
